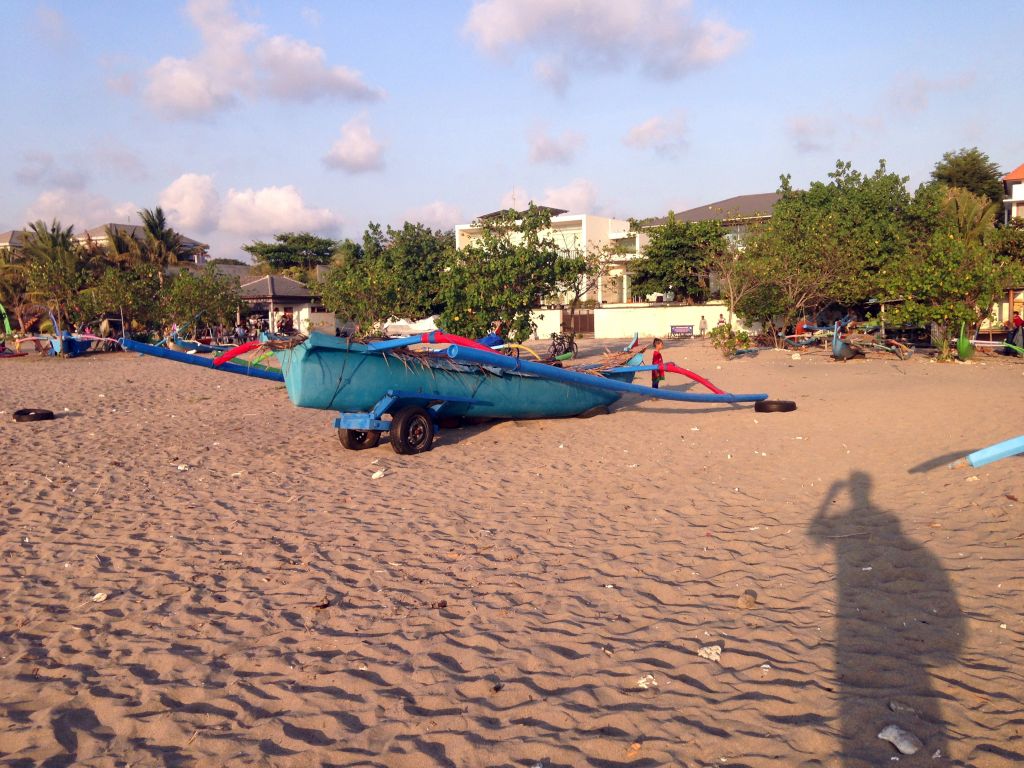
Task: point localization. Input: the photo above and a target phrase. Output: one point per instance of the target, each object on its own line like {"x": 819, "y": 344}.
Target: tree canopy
{"x": 502, "y": 275}
{"x": 393, "y": 273}
{"x": 292, "y": 249}
{"x": 970, "y": 169}
{"x": 676, "y": 257}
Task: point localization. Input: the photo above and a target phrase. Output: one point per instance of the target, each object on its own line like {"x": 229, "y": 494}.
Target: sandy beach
{"x": 527, "y": 593}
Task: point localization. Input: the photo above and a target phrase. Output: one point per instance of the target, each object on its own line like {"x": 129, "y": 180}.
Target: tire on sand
{"x": 412, "y": 430}
{"x": 774, "y": 406}
{"x": 33, "y": 414}
{"x": 358, "y": 440}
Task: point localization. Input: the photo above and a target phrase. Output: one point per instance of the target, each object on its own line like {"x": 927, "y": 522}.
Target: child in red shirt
{"x": 658, "y": 374}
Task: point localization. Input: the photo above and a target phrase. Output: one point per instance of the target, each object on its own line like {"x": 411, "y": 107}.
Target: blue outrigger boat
{"x": 366, "y": 381}
{"x": 369, "y": 381}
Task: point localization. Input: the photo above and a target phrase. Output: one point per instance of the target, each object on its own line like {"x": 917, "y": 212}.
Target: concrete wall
{"x": 548, "y": 321}
{"x": 315, "y": 322}
{"x": 621, "y": 322}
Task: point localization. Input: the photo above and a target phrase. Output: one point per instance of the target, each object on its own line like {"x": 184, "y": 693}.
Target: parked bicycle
{"x": 563, "y": 343}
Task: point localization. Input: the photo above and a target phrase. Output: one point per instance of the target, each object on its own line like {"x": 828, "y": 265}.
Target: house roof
{"x": 731, "y": 209}
{"x": 1015, "y": 175}
{"x": 12, "y": 238}
{"x": 134, "y": 230}
{"x": 276, "y": 287}
{"x": 503, "y": 211}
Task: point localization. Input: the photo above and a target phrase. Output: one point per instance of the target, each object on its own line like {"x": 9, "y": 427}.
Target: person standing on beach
{"x": 703, "y": 326}
{"x": 658, "y": 374}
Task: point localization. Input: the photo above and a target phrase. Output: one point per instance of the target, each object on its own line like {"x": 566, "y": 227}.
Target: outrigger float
{"x": 384, "y": 386}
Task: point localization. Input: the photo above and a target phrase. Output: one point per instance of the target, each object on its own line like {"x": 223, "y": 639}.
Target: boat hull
{"x": 333, "y": 374}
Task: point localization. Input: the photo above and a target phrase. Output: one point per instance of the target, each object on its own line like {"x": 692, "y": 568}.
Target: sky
{"x": 246, "y": 118}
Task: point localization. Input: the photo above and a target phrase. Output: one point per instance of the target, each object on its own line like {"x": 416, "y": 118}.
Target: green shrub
{"x": 728, "y": 341}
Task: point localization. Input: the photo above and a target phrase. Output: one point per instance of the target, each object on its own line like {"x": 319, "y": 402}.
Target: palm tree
{"x": 970, "y": 213}
{"x": 164, "y": 246}
{"x": 125, "y": 250}
{"x": 55, "y": 269}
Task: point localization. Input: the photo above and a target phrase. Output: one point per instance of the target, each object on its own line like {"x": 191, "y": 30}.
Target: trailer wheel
{"x": 412, "y": 430}
{"x": 357, "y": 440}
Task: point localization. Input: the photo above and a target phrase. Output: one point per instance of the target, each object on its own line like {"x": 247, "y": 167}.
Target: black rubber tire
{"x": 774, "y": 406}
{"x": 357, "y": 440}
{"x": 33, "y": 414}
{"x": 412, "y": 431}
{"x": 574, "y": 349}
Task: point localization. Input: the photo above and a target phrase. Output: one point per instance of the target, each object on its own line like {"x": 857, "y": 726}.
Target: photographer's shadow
{"x": 897, "y": 618}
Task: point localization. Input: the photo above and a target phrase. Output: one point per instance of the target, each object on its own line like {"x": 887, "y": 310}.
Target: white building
{"x": 1013, "y": 187}
{"x": 576, "y": 233}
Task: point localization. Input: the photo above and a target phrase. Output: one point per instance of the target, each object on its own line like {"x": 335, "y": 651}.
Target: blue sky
{"x": 251, "y": 117}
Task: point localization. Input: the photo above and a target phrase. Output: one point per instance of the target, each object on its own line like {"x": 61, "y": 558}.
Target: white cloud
{"x": 238, "y": 60}
{"x": 664, "y": 135}
{"x": 437, "y": 215}
{"x": 663, "y": 37}
{"x": 577, "y": 196}
{"x": 911, "y": 93}
{"x": 294, "y": 69}
{"x": 357, "y": 151}
{"x": 191, "y": 203}
{"x": 41, "y": 168}
{"x": 553, "y": 72}
{"x": 811, "y": 133}
{"x": 260, "y": 212}
{"x": 111, "y": 157}
{"x": 79, "y": 208}
{"x": 52, "y": 25}
{"x": 554, "y": 150}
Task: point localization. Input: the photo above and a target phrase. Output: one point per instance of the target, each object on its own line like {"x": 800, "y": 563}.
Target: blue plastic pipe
{"x": 469, "y": 355}
{"x": 404, "y": 341}
{"x": 204, "y": 362}
{"x": 1002, "y": 450}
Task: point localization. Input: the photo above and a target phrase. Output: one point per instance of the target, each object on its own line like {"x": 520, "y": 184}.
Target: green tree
{"x": 132, "y": 292}
{"x": 214, "y": 296}
{"x": 164, "y": 247}
{"x": 501, "y": 276}
{"x": 581, "y": 271}
{"x": 392, "y": 274}
{"x": 677, "y": 256}
{"x": 289, "y": 250}
{"x": 56, "y": 271}
{"x": 948, "y": 281}
{"x": 1008, "y": 242}
{"x": 971, "y": 215}
{"x": 832, "y": 242}
{"x": 970, "y": 169}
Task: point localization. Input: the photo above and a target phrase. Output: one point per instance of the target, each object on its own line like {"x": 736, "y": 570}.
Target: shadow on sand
{"x": 897, "y": 618}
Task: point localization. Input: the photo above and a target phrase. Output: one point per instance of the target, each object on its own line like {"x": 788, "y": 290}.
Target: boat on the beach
{"x": 462, "y": 379}
{"x": 179, "y": 344}
{"x": 365, "y": 381}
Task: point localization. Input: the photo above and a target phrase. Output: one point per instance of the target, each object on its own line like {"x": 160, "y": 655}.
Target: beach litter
{"x": 710, "y": 652}
{"x": 747, "y": 600}
{"x": 899, "y": 706}
{"x": 904, "y": 741}
{"x": 99, "y": 597}
{"x": 377, "y": 475}
{"x": 646, "y": 682}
